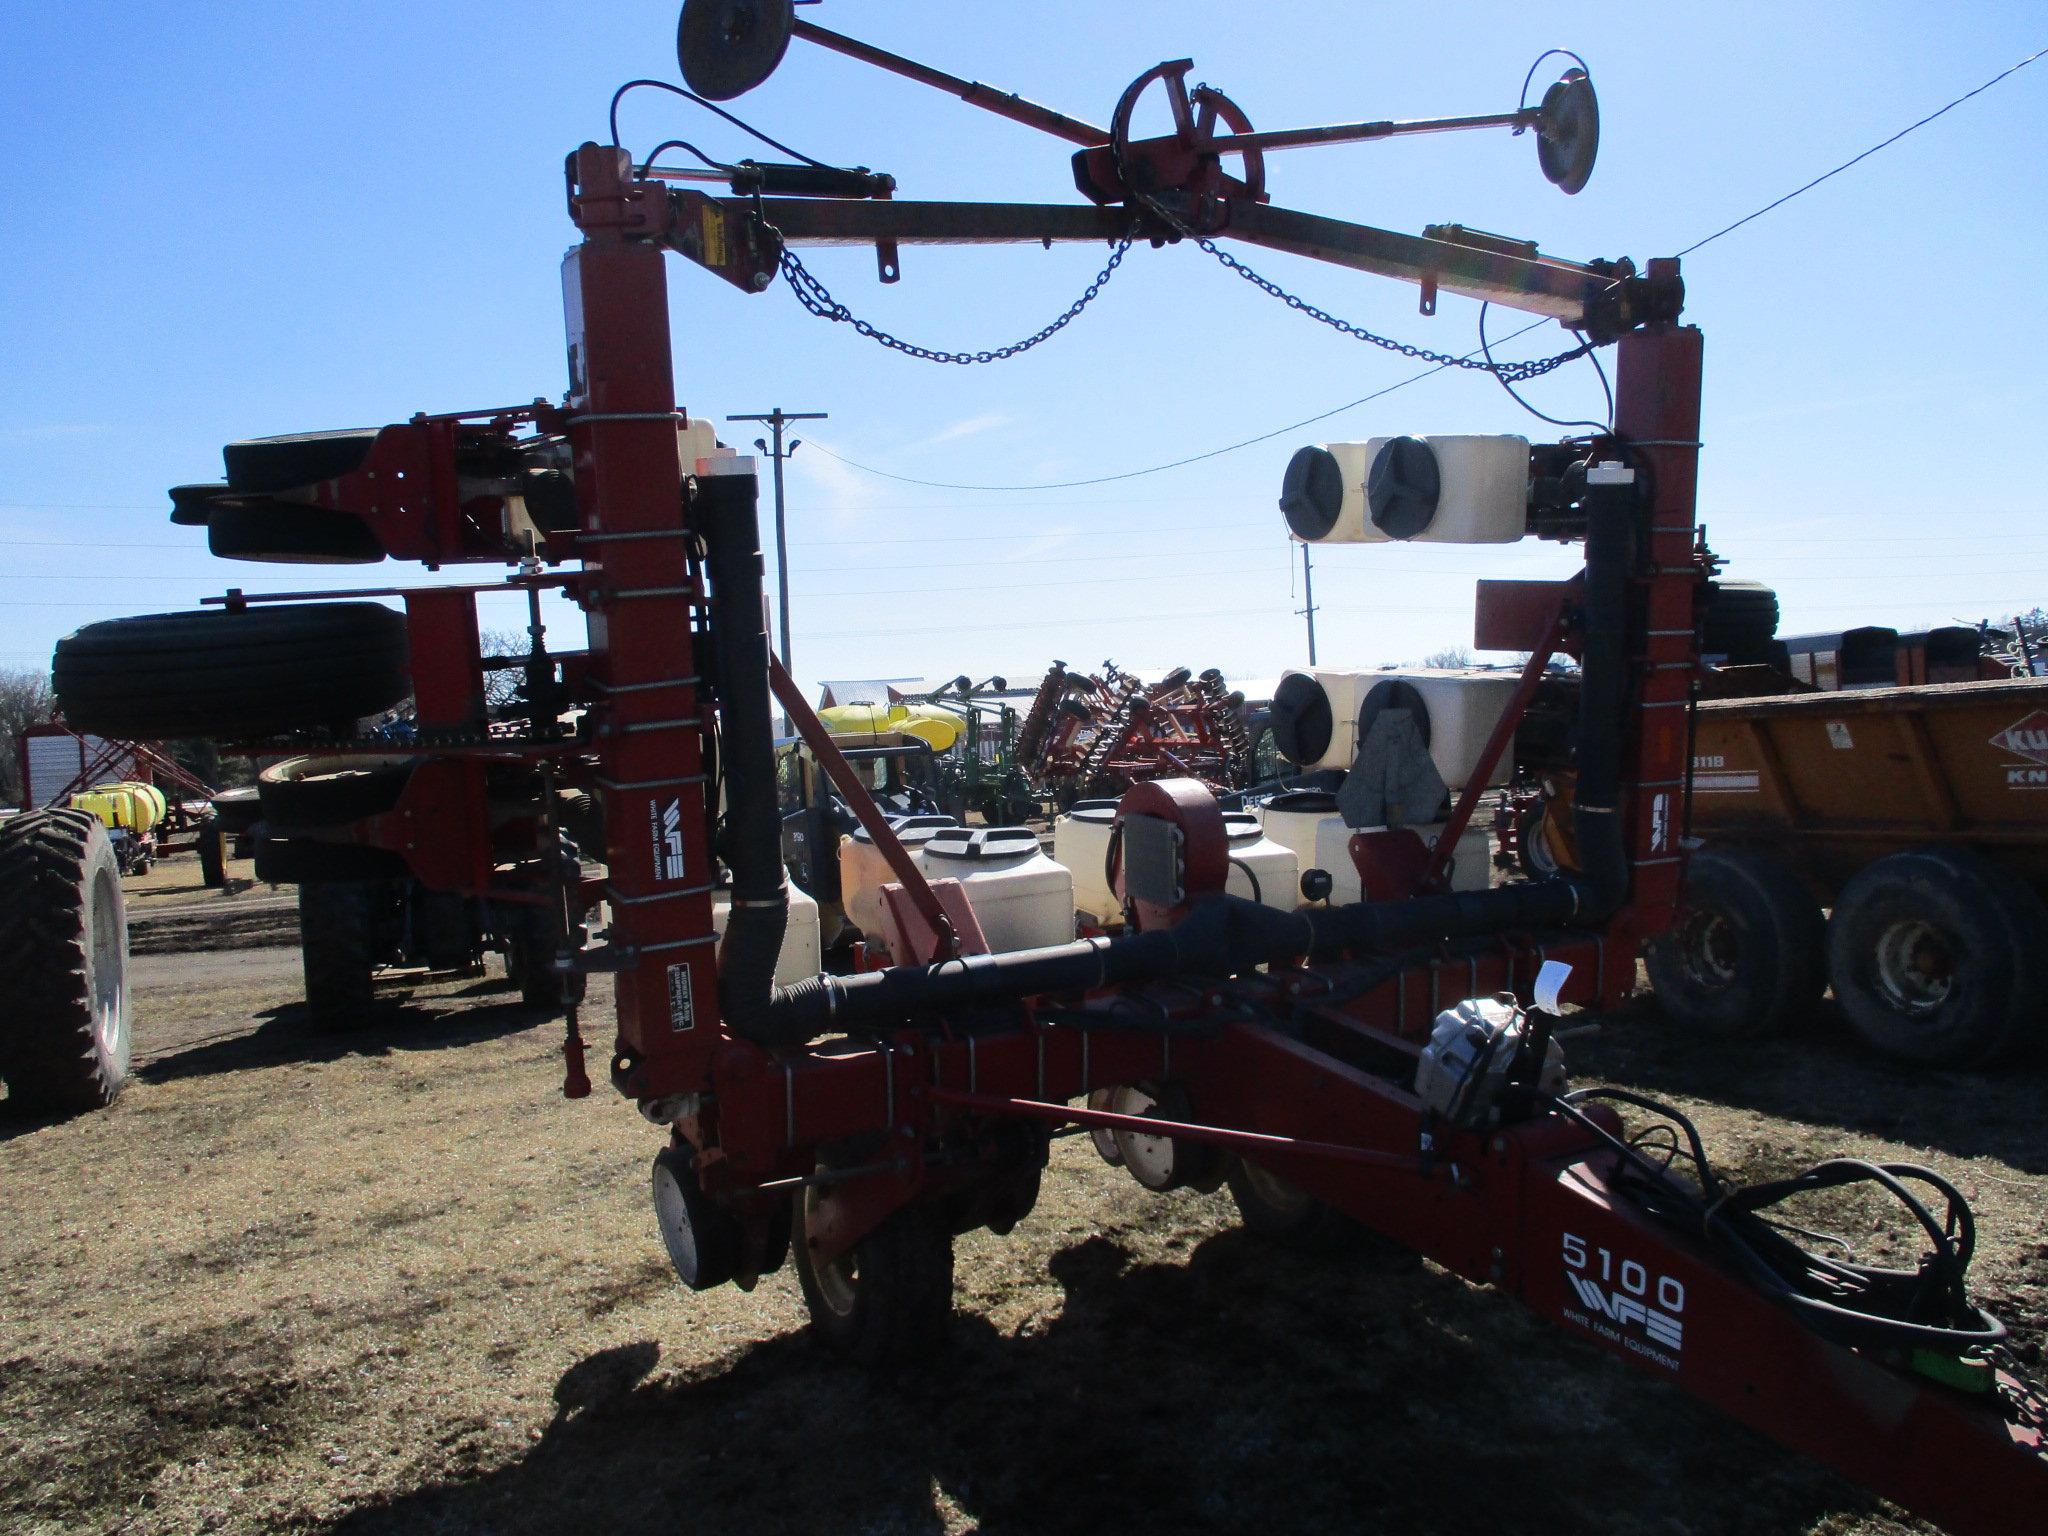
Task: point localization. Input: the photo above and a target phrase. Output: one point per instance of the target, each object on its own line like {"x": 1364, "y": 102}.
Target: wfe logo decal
{"x": 665, "y": 826}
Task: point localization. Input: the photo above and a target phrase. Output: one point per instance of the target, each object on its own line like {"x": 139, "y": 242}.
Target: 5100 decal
{"x": 1624, "y": 1302}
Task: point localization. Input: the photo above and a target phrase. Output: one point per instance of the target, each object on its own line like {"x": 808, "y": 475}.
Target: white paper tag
{"x": 1550, "y": 982}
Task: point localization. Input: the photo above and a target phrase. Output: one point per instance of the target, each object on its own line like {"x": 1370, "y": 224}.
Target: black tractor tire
{"x": 889, "y": 1299}
{"x": 1746, "y": 956}
{"x": 267, "y": 669}
{"x": 1274, "y": 1209}
{"x": 237, "y": 810}
{"x": 302, "y": 860}
{"x": 284, "y": 533}
{"x": 1940, "y": 957}
{"x": 1740, "y": 619}
{"x": 65, "y": 1040}
{"x": 337, "y": 943}
{"x": 304, "y": 792}
{"x": 264, "y": 466}
{"x": 212, "y": 845}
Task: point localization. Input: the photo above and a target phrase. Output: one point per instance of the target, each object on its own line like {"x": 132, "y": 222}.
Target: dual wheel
{"x": 1936, "y": 955}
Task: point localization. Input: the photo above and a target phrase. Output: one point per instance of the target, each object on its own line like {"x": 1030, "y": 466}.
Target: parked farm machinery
{"x": 1343, "y": 1063}
{"x": 1087, "y": 734}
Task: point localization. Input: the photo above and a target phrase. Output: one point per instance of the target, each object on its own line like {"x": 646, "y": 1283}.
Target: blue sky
{"x": 226, "y": 221}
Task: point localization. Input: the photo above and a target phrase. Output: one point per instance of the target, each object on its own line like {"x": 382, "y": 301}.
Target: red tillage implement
{"x": 866, "y": 1119}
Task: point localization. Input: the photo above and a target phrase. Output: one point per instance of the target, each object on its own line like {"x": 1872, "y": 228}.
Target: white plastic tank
{"x": 1462, "y": 704}
{"x": 1080, "y": 845}
{"x": 1261, "y": 868}
{"x": 802, "y": 952}
{"x": 1294, "y": 820}
{"x": 1021, "y": 898}
{"x": 863, "y": 871}
{"x": 1440, "y": 489}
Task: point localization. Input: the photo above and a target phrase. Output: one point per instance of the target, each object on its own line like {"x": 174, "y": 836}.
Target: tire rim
{"x": 1709, "y": 949}
{"x": 1916, "y": 968}
{"x": 109, "y": 972}
{"x": 837, "y": 1280}
{"x": 1150, "y": 1159}
{"x": 1274, "y": 1192}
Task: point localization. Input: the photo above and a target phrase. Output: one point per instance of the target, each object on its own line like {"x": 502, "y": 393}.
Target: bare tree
{"x": 501, "y": 685}
{"x": 25, "y": 700}
{"x": 1449, "y": 658}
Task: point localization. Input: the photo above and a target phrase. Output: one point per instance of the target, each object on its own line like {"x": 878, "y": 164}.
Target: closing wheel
{"x": 1275, "y": 1209}
{"x": 702, "y": 1239}
{"x": 64, "y": 1043}
{"x": 1939, "y": 956}
{"x": 888, "y": 1298}
{"x": 337, "y": 946}
{"x": 1745, "y": 956}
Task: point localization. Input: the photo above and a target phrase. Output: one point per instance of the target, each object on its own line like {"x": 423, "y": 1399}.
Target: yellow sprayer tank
{"x": 134, "y": 806}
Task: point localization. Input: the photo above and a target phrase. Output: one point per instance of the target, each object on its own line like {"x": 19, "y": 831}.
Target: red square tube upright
{"x": 643, "y": 596}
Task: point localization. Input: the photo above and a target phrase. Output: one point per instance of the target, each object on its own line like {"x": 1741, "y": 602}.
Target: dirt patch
{"x": 391, "y": 1282}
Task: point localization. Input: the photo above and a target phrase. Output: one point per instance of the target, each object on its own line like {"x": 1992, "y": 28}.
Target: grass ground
{"x": 392, "y": 1282}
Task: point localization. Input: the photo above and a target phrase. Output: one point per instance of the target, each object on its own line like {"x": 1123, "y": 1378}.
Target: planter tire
{"x": 337, "y": 944}
{"x": 887, "y": 1300}
{"x": 302, "y": 792}
{"x": 267, "y": 669}
{"x": 1745, "y": 958}
{"x": 1274, "y": 1209}
{"x": 283, "y": 533}
{"x": 1940, "y": 957}
{"x": 65, "y": 1042}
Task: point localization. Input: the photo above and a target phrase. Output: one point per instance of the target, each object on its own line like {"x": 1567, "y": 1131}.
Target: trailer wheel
{"x": 1745, "y": 957}
{"x": 64, "y": 951}
{"x": 1939, "y": 956}
{"x": 213, "y": 853}
{"x": 1274, "y": 1209}
{"x": 269, "y": 668}
{"x": 888, "y": 1298}
{"x": 337, "y": 943}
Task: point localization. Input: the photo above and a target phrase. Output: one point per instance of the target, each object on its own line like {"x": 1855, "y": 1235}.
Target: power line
{"x": 1885, "y": 144}
{"x": 1193, "y": 458}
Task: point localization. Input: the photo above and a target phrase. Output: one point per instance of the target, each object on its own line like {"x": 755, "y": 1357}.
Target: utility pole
{"x": 1308, "y": 593}
{"x": 776, "y": 420}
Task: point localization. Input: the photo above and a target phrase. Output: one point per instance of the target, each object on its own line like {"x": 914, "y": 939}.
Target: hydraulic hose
{"x": 1221, "y": 936}
{"x": 723, "y": 509}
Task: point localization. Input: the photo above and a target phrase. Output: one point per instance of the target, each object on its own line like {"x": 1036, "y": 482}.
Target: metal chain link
{"x": 1510, "y": 373}
{"x": 816, "y": 298}
{"x": 2029, "y": 1404}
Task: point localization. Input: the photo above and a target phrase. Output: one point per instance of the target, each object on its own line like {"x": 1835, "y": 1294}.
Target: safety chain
{"x": 2029, "y": 1403}
{"x": 815, "y": 297}
{"x": 1509, "y": 373}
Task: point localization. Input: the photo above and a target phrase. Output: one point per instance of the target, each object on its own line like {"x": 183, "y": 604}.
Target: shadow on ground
{"x": 399, "y": 1024}
{"x": 1241, "y": 1390}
